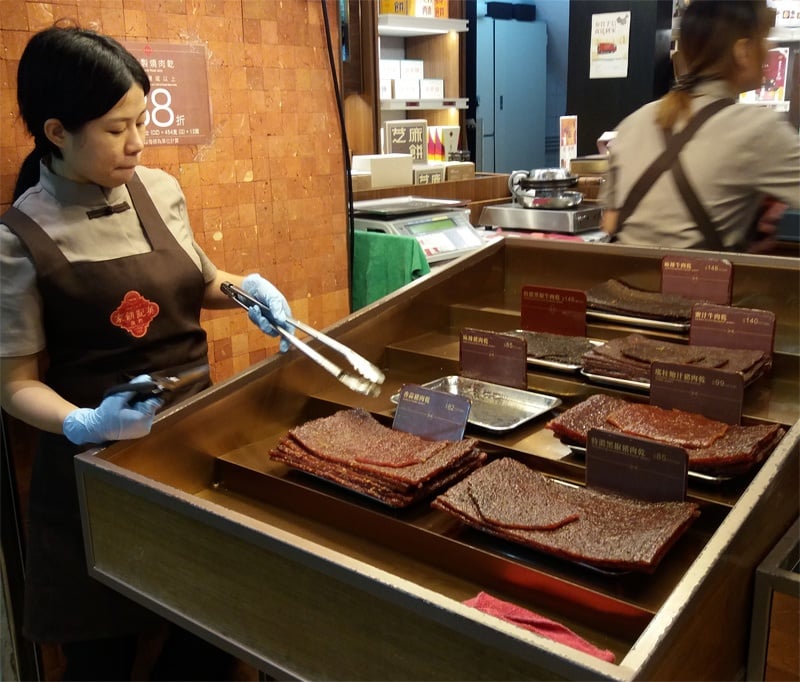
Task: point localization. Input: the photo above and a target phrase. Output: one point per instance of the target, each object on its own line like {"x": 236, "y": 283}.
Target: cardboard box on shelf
{"x": 385, "y": 88}
{"x": 459, "y": 170}
{"x": 431, "y": 88}
{"x": 435, "y": 9}
{"x": 389, "y": 68}
{"x": 407, "y": 136}
{"x": 405, "y": 88}
{"x": 395, "y": 6}
{"x": 412, "y": 69}
{"x": 360, "y": 180}
{"x": 386, "y": 170}
{"x": 428, "y": 173}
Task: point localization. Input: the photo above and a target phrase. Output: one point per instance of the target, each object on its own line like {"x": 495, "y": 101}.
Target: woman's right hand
{"x": 114, "y": 419}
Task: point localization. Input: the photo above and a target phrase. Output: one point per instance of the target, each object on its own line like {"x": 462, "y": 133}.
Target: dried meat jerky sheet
{"x": 574, "y": 424}
{"x": 381, "y": 491}
{"x": 611, "y": 531}
{"x": 738, "y": 450}
{"x": 674, "y": 427}
{"x": 629, "y": 357}
{"x": 734, "y": 451}
{"x": 567, "y": 350}
{"x": 354, "y": 450}
{"x": 616, "y": 296}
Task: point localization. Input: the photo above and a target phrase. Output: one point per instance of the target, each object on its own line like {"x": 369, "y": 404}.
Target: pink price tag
{"x": 494, "y": 357}
{"x": 698, "y": 279}
{"x": 731, "y": 327}
{"x": 553, "y": 310}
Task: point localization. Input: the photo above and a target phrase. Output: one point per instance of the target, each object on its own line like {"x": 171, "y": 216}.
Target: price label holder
{"x": 553, "y": 310}
{"x": 434, "y": 415}
{"x": 494, "y": 357}
{"x": 714, "y": 393}
{"x": 732, "y": 327}
{"x": 636, "y": 467}
{"x": 698, "y": 279}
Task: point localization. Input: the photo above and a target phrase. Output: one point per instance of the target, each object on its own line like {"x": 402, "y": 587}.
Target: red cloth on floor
{"x": 511, "y": 613}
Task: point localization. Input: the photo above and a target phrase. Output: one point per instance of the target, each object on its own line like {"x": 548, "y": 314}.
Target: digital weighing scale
{"x": 441, "y": 226}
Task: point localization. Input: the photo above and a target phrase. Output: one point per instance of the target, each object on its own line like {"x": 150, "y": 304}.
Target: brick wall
{"x": 267, "y": 194}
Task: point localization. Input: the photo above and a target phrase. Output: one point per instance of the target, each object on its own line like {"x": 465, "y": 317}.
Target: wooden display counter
{"x": 303, "y": 579}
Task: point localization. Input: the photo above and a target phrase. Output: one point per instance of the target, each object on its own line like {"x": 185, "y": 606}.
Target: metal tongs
{"x": 369, "y": 378}
{"x": 160, "y": 382}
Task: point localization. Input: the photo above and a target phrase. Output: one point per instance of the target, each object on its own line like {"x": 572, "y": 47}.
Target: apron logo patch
{"x": 135, "y": 314}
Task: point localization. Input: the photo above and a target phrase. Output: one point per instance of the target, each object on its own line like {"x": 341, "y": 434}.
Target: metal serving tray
{"x": 493, "y": 406}
{"x": 634, "y": 321}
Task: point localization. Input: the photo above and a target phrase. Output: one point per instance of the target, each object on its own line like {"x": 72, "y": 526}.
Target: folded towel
{"x": 511, "y": 613}
{"x": 382, "y": 263}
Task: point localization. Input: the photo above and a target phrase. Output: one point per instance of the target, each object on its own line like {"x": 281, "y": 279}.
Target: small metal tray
{"x": 493, "y": 407}
{"x": 634, "y": 321}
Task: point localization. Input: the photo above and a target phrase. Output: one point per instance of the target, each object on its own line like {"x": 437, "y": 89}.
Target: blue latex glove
{"x": 266, "y": 292}
{"x": 113, "y": 419}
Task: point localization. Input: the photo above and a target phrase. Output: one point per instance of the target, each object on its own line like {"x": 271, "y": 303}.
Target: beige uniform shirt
{"x": 60, "y": 207}
{"x": 737, "y": 157}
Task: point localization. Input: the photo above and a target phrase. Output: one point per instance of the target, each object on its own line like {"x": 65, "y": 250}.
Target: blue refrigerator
{"x": 510, "y": 83}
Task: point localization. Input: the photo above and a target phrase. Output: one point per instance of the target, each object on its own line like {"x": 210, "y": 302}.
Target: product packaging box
{"x": 412, "y": 69}
{"x": 407, "y": 136}
{"x": 360, "y": 180}
{"x": 406, "y": 88}
{"x": 395, "y": 6}
{"x": 385, "y": 88}
{"x": 389, "y": 69}
{"x": 429, "y": 173}
{"x": 387, "y": 170}
{"x": 459, "y": 170}
{"x": 437, "y": 9}
{"x": 431, "y": 88}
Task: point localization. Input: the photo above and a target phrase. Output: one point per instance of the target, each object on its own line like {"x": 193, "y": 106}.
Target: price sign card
{"x": 730, "y": 327}
{"x": 714, "y": 393}
{"x": 494, "y": 357}
{"x": 636, "y": 467}
{"x": 699, "y": 279}
{"x": 553, "y": 310}
{"x": 435, "y": 415}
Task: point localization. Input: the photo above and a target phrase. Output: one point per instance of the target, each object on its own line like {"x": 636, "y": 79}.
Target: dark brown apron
{"x": 669, "y": 160}
{"x": 105, "y": 322}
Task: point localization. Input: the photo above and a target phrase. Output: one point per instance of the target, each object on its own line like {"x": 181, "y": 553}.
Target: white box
{"x": 431, "y": 88}
{"x": 387, "y": 169}
{"x": 411, "y": 68}
{"x": 389, "y": 69}
{"x": 406, "y": 88}
{"x": 385, "y": 88}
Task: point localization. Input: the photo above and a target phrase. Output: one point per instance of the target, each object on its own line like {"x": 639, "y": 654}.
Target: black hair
{"x": 73, "y": 75}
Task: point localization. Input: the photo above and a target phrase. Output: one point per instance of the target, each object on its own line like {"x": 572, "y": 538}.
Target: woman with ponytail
{"x": 692, "y": 169}
{"x": 102, "y": 283}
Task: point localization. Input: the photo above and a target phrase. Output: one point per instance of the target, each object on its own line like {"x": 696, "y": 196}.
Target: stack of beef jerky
{"x": 629, "y": 357}
{"x": 614, "y": 296}
{"x": 713, "y": 447}
{"x": 567, "y": 350}
{"x": 354, "y": 450}
{"x": 510, "y": 500}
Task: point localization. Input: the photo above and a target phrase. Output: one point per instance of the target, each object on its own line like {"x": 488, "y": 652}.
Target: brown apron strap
{"x": 35, "y": 239}
{"x": 666, "y": 159}
{"x": 695, "y": 206}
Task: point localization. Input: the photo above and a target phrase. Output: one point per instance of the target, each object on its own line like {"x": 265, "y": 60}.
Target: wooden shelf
{"x": 403, "y": 104}
{"x": 404, "y": 26}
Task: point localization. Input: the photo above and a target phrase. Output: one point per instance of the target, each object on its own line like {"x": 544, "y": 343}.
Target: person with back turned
{"x": 102, "y": 283}
{"x": 693, "y": 169}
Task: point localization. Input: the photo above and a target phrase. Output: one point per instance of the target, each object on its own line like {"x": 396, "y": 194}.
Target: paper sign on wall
{"x": 608, "y": 45}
